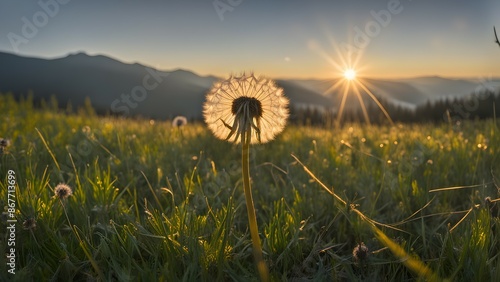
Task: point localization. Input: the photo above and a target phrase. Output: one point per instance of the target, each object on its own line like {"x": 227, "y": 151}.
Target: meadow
{"x": 154, "y": 202}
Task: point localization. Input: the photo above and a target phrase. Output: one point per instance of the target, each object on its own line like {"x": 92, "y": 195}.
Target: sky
{"x": 276, "y": 38}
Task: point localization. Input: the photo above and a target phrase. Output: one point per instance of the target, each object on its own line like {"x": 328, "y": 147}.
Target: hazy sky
{"x": 277, "y": 38}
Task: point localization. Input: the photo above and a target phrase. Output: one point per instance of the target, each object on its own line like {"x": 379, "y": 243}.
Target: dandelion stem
{"x": 252, "y": 219}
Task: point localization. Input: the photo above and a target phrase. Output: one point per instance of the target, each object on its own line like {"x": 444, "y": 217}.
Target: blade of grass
{"x": 48, "y": 149}
{"x": 412, "y": 263}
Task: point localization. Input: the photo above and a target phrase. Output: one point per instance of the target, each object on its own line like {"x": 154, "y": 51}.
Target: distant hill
{"x": 112, "y": 86}
{"x": 134, "y": 89}
{"x": 119, "y": 88}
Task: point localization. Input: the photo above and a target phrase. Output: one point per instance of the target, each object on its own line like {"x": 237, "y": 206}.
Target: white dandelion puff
{"x": 246, "y": 103}
{"x": 249, "y": 110}
{"x": 62, "y": 191}
{"x": 4, "y": 143}
{"x": 179, "y": 121}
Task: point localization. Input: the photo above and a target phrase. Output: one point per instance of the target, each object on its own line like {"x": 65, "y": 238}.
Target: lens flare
{"x": 352, "y": 81}
{"x": 350, "y": 74}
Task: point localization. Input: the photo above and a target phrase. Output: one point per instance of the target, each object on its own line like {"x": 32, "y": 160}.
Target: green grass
{"x": 152, "y": 202}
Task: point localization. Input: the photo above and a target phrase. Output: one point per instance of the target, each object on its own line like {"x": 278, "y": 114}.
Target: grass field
{"x": 152, "y": 202}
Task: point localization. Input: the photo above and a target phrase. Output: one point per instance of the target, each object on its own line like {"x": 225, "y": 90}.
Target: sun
{"x": 350, "y": 74}
{"x": 351, "y": 80}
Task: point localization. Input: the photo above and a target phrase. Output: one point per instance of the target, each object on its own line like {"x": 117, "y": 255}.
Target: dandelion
{"x": 4, "y": 143}
{"x": 179, "y": 121}
{"x": 29, "y": 224}
{"x": 249, "y": 110}
{"x": 62, "y": 191}
{"x": 360, "y": 252}
{"x": 246, "y": 105}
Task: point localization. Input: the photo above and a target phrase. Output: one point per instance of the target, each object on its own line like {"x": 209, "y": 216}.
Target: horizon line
{"x": 305, "y": 77}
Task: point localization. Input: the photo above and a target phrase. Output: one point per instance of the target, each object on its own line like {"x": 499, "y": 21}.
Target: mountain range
{"x": 134, "y": 89}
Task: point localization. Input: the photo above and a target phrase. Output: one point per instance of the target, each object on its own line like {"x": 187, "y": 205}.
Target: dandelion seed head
{"x": 246, "y": 103}
{"x": 86, "y": 130}
{"x": 360, "y": 252}
{"x": 4, "y": 142}
{"x": 62, "y": 191}
{"x": 179, "y": 121}
{"x": 254, "y": 106}
{"x": 29, "y": 224}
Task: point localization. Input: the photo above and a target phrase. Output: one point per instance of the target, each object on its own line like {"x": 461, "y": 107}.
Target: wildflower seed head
{"x": 4, "y": 143}
{"x": 179, "y": 121}
{"x": 254, "y": 106}
{"x": 62, "y": 191}
{"x": 246, "y": 104}
{"x": 360, "y": 252}
{"x": 29, "y": 224}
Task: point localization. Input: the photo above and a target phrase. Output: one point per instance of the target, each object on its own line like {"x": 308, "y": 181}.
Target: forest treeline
{"x": 482, "y": 105}
{"x": 477, "y": 106}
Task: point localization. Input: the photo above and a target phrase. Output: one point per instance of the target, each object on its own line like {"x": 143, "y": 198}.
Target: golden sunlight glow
{"x": 350, "y": 74}
{"x": 347, "y": 65}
